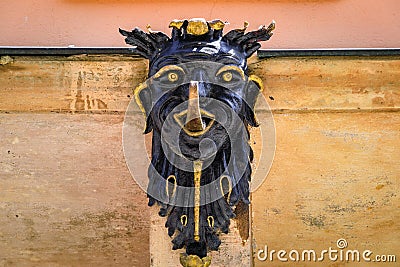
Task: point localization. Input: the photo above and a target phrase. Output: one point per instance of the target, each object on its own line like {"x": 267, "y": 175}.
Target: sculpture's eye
{"x": 227, "y": 76}
{"x": 169, "y": 78}
{"x": 173, "y": 76}
{"x": 230, "y": 77}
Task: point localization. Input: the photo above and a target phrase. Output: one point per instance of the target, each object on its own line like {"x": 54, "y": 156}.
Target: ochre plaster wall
{"x": 67, "y": 197}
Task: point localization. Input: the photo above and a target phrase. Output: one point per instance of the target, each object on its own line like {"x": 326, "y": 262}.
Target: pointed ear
{"x": 145, "y": 44}
{"x": 258, "y": 82}
{"x": 253, "y": 89}
{"x": 144, "y": 100}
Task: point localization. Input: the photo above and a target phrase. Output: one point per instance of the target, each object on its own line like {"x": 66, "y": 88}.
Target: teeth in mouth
{"x": 195, "y": 126}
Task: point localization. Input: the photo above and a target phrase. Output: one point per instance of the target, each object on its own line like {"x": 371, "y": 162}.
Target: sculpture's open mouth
{"x": 196, "y": 126}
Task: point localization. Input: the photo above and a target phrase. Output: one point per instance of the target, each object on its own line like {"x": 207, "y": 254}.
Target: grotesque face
{"x": 198, "y": 102}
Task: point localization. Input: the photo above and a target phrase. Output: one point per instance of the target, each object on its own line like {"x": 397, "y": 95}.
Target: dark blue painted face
{"x": 220, "y": 89}
{"x": 198, "y": 101}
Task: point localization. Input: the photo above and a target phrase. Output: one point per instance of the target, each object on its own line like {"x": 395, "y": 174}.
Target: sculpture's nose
{"x": 194, "y": 122}
{"x": 199, "y": 74}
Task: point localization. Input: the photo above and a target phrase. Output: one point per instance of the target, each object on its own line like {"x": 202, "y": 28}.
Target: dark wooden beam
{"x": 63, "y": 51}
{"x": 263, "y": 53}
{"x": 360, "y": 52}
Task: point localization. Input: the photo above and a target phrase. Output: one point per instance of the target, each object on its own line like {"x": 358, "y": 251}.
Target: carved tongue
{"x": 194, "y": 123}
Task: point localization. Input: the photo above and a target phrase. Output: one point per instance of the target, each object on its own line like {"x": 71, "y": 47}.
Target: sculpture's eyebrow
{"x": 166, "y": 69}
{"x": 195, "y": 56}
{"x": 231, "y": 67}
{"x": 228, "y": 59}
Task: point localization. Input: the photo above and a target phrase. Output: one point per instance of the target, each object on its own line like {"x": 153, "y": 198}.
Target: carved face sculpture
{"x": 198, "y": 101}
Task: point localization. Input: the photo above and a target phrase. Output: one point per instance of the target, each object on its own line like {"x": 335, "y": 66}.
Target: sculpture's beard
{"x": 225, "y": 155}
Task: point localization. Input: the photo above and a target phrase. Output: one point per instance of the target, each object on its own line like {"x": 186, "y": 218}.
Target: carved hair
{"x": 151, "y": 43}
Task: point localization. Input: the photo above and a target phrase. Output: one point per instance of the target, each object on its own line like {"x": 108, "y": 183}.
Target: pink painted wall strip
{"x": 300, "y": 23}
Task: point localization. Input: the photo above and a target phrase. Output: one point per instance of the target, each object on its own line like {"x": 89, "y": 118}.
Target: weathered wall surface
{"x": 335, "y": 173}
{"x": 67, "y": 197}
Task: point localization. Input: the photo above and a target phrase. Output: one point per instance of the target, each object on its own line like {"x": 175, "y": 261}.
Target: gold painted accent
{"x": 197, "y": 165}
{"x": 271, "y": 26}
{"x": 184, "y": 220}
{"x": 167, "y": 185}
{"x": 227, "y": 76}
{"x": 194, "y": 123}
{"x": 180, "y": 119}
{"x": 222, "y": 189}
{"x": 166, "y": 69}
{"x": 176, "y": 24}
{"x": 194, "y": 261}
{"x": 245, "y": 25}
{"x": 136, "y": 93}
{"x": 173, "y": 77}
{"x": 217, "y": 24}
{"x": 258, "y": 81}
{"x": 210, "y": 220}
{"x": 148, "y": 27}
{"x": 197, "y": 26}
{"x": 231, "y": 67}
